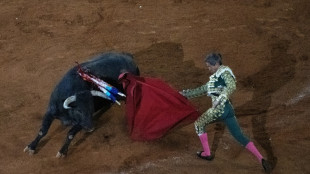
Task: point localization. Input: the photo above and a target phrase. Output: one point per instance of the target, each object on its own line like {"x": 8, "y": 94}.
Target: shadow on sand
{"x": 264, "y": 83}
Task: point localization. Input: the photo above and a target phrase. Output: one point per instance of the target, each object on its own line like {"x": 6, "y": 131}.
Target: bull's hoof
{"x": 60, "y": 155}
{"x": 29, "y": 150}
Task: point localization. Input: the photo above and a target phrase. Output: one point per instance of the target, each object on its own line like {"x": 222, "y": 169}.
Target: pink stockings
{"x": 206, "y": 149}
{"x": 204, "y": 141}
{"x": 251, "y": 147}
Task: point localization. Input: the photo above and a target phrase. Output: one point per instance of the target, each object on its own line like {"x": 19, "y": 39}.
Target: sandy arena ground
{"x": 265, "y": 42}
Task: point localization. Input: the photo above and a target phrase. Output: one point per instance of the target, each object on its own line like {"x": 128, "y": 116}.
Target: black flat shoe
{"x": 209, "y": 158}
{"x": 266, "y": 165}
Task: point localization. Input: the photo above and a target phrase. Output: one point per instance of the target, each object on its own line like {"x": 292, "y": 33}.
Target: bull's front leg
{"x": 47, "y": 121}
{"x": 72, "y": 132}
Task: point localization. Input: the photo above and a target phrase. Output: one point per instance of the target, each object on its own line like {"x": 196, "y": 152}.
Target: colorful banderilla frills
{"x": 108, "y": 90}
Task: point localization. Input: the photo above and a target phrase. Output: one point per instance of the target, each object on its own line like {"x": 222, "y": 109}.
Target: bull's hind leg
{"x": 47, "y": 121}
{"x": 72, "y": 132}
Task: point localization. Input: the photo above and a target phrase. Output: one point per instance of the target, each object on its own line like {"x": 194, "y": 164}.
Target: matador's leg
{"x": 206, "y": 118}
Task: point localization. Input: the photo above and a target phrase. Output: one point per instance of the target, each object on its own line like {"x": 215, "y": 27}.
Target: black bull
{"x": 106, "y": 66}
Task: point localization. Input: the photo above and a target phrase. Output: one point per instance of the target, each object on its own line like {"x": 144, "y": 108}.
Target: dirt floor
{"x": 266, "y": 43}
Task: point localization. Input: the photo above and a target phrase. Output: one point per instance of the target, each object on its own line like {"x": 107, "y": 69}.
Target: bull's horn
{"x": 103, "y": 95}
{"x": 68, "y": 101}
{"x": 99, "y": 94}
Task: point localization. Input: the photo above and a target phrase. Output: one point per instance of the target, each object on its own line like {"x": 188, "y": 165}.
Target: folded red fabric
{"x": 154, "y": 107}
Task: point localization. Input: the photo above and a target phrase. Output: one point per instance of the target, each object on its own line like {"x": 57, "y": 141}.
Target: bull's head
{"x": 82, "y": 113}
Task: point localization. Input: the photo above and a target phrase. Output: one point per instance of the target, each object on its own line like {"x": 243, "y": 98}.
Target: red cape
{"x": 153, "y": 107}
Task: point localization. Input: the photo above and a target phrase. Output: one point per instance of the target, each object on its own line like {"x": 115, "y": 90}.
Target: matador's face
{"x": 212, "y": 68}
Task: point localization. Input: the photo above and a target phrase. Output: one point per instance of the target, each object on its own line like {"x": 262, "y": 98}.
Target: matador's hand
{"x": 215, "y": 103}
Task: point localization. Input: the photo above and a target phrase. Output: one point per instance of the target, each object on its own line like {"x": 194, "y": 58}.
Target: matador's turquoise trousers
{"x": 225, "y": 114}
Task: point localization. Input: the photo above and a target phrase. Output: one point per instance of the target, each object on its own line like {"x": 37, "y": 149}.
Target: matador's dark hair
{"x": 214, "y": 58}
